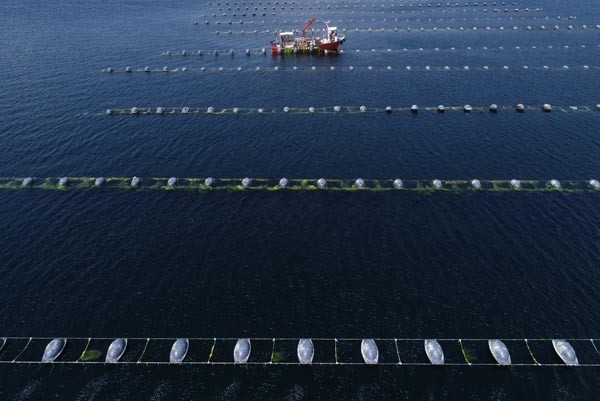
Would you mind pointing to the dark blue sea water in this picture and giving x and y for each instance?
(264, 264)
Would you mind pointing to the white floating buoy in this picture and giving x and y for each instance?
(311, 109)
(260, 110)
(64, 181)
(98, 182)
(263, 51)
(134, 110)
(437, 183)
(108, 112)
(414, 108)
(127, 69)
(247, 52)
(520, 108)
(109, 70)
(246, 182)
(388, 109)
(160, 110)
(555, 183)
(468, 108)
(135, 181)
(337, 109)
(595, 184)
(210, 110)
(172, 181)
(286, 109)
(165, 69)
(476, 184)
(363, 109)
(398, 183)
(441, 108)
(516, 184)
(321, 183)
(546, 107)
(493, 107)
(209, 181)
(185, 110)
(360, 183)
(28, 181)
(146, 69)
(235, 110)
(283, 183)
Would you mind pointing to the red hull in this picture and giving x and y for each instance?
(330, 46)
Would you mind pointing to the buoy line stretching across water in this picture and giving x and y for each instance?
(263, 51)
(414, 109)
(298, 184)
(437, 29)
(388, 68)
(88, 351)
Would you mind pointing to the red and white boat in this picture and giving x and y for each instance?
(287, 43)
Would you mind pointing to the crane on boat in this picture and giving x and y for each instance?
(308, 24)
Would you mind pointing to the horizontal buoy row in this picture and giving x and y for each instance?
(270, 184)
(414, 109)
(366, 2)
(405, 68)
(437, 29)
(364, 8)
(263, 50)
(204, 351)
(385, 19)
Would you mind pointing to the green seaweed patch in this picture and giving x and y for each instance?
(278, 356)
(90, 355)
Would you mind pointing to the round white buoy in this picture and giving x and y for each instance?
(210, 110)
(160, 110)
(209, 181)
(185, 110)
(493, 107)
(286, 109)
(546, 107)
(199, 53)
(263, 51)
(311, 109)
(468, 108)
(260, 110)
(246, 182)
(441, 108)
(98, 182)
(555, 183)
(437, 183)
(134, 110)
(127, 69)
(337, 109)
(520, 108)
(146, 69)
(516, 184)
(414, 108)
(476, 184)
(184, 53)
(595, 184)
(231, 52)
(360, 183)
(108, 112)
(363, 109)
(283, 183)
(247, 52)
(135, 181)
(109, 70)
(235, 110)
(321, 183)
(27, 182)
(165, 69)
(172, 181)
(64, 181)
(398, 183)
(388, 109)
(184, 69)
(598, 107)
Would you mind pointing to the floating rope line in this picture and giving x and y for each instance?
(263, 51)
(397, 351)
(415, 109)
(293, 184)
(405, 69)
(212, 350)
(434, 29)
(85, 349)
(143, 351)
(594, 344)
(388, 358)
(24, 349)
(531, 353)
(390, 20)
(463, 352)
